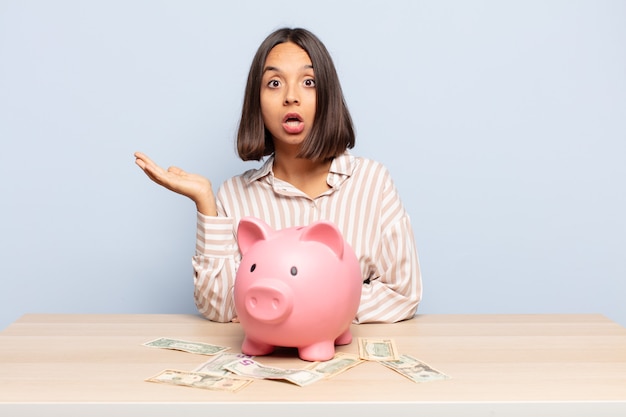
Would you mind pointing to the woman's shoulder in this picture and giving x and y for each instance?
(240, 180)
(365, 165)
(248, 176)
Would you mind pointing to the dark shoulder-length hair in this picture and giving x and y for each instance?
(332, 132)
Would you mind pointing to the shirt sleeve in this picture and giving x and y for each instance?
(393, 293)
(215, 264)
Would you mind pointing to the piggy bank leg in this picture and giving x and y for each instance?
(254, 348)
(344, 339)
(321, 351)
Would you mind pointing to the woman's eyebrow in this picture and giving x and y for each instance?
(270, 68)
(276, 69)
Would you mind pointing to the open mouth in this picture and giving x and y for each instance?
(293, 123)
(292, 119)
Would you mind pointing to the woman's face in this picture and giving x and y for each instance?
(288, 95)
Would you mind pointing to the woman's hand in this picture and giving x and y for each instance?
(194, 186)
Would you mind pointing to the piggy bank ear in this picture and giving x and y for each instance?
(326, 233)
(249, 231)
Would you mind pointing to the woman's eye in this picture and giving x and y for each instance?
(309, 83)
(273, 84)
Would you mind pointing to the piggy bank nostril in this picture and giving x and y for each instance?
(275, 303)
(253, 301)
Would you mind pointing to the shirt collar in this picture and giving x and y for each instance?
(342, 165)
(265, 170)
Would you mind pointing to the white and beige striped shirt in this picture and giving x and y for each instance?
(362, 201)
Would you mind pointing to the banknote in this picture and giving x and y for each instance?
(377, 349)
(186, 346)
(252, 369)
(215, 365)
(341, 362)
(199, 380)
(414, 369)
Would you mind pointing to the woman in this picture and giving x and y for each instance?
(294, 113)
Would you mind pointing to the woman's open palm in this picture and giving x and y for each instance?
(194, 186)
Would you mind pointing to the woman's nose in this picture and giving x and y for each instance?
(291, 97)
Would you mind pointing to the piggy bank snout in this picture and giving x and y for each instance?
(269, 300)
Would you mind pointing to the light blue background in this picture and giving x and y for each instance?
(502, 123)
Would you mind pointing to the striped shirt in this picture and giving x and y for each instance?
(364, 204)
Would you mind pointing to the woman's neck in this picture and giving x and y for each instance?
(306, 175)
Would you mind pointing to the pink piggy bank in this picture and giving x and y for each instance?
(296, 287)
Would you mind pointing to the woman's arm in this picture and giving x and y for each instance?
(217, 255)
(394, 294)
(215, 265)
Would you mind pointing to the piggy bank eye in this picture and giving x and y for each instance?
(253, 267)
(294, 271)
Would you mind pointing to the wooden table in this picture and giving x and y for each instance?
(513, 365)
